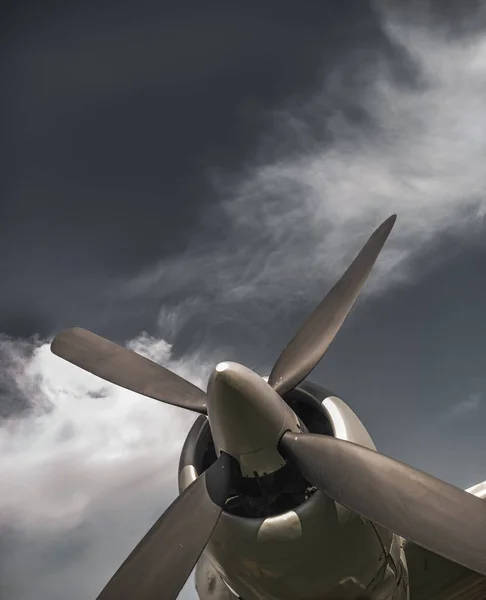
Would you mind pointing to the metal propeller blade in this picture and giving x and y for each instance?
(161, 563)
(413, 504)
(314, 337)
(127, 369)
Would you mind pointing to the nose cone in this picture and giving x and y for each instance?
(248, 418)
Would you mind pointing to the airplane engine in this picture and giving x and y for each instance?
(267, 470)
(277, 532)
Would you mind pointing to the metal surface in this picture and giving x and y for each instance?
(433, 577)
(314, 337)
(315, 551)
(344, 422)
(294, 554)
(161, 563)
(413, 504)
(209, 584)
(478, 490)
(127, 369)
(319, 549)
(248, 418)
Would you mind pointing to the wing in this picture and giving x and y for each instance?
(435, 578)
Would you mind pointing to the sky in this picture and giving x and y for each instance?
(190, 181)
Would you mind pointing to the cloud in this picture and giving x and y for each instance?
(402, 130)
(465, 407)
(83, 438)
(86, 468)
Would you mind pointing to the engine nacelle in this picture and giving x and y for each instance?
(299, 541)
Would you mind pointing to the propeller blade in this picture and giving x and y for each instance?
(314, 337)
(127, 369)
(160, 564)
(413, 504)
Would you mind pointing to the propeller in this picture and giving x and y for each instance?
(161, 563)
(315, 335)
(417, 506)
(127, 369)
(413, 504)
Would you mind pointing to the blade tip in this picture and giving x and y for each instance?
(387, 225)
(60, 338)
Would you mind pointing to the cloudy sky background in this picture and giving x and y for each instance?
(190, 182)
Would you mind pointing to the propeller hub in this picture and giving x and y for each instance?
(248, 418)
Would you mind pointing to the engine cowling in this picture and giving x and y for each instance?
(279, 533)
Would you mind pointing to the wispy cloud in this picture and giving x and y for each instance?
(465, 407)
(402, 131)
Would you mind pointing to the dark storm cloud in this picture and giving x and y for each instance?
(114, 115)
(15, 397)
(205, 174)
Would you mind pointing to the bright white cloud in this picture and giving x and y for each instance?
(95, 441)
(86, 472)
